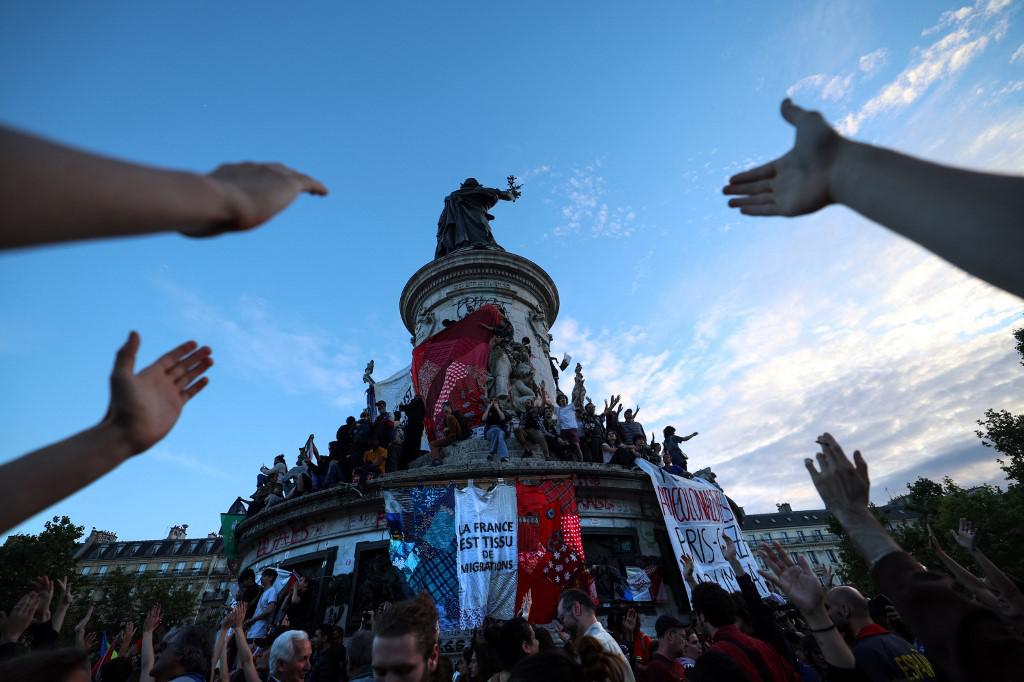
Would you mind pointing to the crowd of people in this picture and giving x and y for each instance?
(366, 448)
(930, 629)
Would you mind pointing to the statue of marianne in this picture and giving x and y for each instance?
(464, 222)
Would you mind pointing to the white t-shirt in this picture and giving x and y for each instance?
(261, 627)
(567, 417)
(609, 644)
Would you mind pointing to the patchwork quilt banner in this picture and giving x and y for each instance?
(421, 522)
(452, 365)
(487, 531)
(697, 514)
(550, 546)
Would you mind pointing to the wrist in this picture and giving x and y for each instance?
(113, 441)
(817, 618)
(842, 174)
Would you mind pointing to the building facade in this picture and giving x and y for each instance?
(196, 563)
(804, 532)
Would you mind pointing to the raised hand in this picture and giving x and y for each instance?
(629, 621)
(85, 619)
(687, 567)
(842, 485)
(524, 611)
(256, 192)
(43, 587)
(13, 624)
(88, 641)
(127, 639)
(966, 536)
(65, 591)
(153, 619)
(797, 581)
(234, 617)
(146, 405)
(796, 183)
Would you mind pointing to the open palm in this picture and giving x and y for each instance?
(796, 580)
(146, 405)
(797, 182)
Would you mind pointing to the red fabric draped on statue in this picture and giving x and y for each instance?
(550, 547)
(452, 365)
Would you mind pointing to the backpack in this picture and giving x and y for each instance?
(465, 429)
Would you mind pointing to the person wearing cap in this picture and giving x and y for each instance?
(671, 645)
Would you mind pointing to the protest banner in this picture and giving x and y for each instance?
(486, 530)
(697, 515)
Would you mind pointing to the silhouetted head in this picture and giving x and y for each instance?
(470, 183)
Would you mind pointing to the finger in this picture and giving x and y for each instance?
(756, 200)
(192, 390)
(791, 112)
(312, 186)
(185, 364)
(762, 172)
(765, 210)
(197, 369)
(824, 463)
(860, 465)
(833, 447)
(171, 358)
(124, 361)
(809, 465)
(758, 187)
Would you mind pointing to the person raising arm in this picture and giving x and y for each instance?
(973, 220)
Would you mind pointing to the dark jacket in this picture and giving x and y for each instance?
(965, 641)
(885, 657)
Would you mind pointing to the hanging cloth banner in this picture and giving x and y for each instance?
(421, 522)
(550, 547)
(697, 514)
(487, 531)
(452, 366)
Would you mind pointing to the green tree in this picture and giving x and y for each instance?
(25, 556)
(1004, 431)
(121, 598)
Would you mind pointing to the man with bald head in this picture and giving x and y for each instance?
(881, 655)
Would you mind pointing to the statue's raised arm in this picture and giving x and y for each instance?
(465, 221)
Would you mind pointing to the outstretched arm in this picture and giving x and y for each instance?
(971, 219)
(798, 582)
(967, 537)
(143, 409)
(53, 193)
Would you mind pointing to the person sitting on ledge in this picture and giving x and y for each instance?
(632, 428)
(450, 435)
(532, 431)
(671, 467)
(615, 453)
(374, 460)
(494, 424)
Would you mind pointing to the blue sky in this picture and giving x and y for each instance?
(623, 122)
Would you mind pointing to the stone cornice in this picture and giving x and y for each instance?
(467, 266)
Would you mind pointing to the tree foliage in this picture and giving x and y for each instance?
(121, 597)
(25, 556)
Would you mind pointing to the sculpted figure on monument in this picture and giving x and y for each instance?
(579, 391)
(523, 386)
(499, 369)
(465, 221)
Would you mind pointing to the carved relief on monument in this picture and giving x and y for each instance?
(468, 304)
(426, 322)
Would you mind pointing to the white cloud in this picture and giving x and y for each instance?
(1018, 55)
(188, 462)
(894, 351)
(824, 86)
(587, 211)
(872, 62)
(972, 29)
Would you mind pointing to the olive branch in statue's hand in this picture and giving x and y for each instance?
(514, 188)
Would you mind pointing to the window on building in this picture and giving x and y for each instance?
(176, 547)
(102, 570)
(814, 558)
(785, 536)
(142, 568)
(163, 567)
(86, 570)
(832, 556)
(818, 536)
(179, 567)
(197, 566)
(800, 534)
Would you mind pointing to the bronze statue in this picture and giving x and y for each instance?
(464, 222)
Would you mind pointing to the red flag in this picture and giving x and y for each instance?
(452, 366)
(551, 557)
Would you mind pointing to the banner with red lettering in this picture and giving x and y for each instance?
(697, 514)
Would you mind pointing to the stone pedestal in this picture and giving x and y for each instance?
(451, 287)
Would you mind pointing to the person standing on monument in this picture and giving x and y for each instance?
(464, 221)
